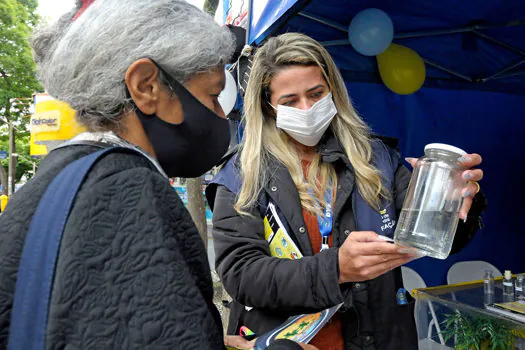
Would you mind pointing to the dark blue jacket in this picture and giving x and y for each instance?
(278, 288)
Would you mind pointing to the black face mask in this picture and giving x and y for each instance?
(193, 147)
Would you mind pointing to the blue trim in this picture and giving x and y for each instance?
(272, 17)
(225, 8)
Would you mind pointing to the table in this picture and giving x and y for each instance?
(455, 315)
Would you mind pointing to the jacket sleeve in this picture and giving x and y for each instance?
(465, 231)
(256, 279)
(135, 273)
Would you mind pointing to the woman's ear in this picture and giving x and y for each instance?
(143, 85)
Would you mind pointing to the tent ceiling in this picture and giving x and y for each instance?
(466, 44)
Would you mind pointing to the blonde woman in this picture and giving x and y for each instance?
(309, 166)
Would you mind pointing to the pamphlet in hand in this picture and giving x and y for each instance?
(300, 328)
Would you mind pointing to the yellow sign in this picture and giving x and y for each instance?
(36, 150)
(53, 122)
(45, 122)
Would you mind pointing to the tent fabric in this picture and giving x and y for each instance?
(489, 123)
(465, 53)
(486, 118)
(266, 15)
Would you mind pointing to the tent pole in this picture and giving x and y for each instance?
(508, 75)
(325, 21)
(500, 74)
(249, 26)
(409, 35)
(500, 43)
(335, 42)
(450, 71)
(474, 28)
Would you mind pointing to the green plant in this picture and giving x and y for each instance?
(478, 333)
(500, 336)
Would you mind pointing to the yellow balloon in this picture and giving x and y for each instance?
(401, 69)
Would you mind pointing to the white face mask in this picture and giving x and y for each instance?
(307, 126)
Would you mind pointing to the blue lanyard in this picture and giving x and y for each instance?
(326, 220)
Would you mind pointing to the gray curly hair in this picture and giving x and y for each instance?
(83, 62)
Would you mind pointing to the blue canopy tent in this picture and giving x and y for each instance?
(473, 96)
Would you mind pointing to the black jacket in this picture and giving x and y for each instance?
(132, 271)
(278, 288)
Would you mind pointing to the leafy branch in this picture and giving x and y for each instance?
(471, 332)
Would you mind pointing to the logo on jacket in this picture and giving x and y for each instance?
(387, 222)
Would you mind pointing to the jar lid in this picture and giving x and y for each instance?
(445, 147)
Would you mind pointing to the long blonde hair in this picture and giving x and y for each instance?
(263, 140)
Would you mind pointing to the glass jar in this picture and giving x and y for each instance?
(430, 214)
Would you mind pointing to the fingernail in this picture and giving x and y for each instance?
(464, 159)
(385, 238)
(409, 159)
(467, 176)
(467, 193)
(465, 220)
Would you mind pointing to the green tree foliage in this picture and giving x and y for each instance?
(210, 6)
(18, 79)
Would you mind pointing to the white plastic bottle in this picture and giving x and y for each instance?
(508, 285)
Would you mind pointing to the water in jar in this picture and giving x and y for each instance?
(430, 214)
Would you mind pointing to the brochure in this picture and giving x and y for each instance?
(281, 244)
(300, 328)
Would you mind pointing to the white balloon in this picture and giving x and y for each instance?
(228, 96)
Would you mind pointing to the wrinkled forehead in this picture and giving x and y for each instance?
(214, 79)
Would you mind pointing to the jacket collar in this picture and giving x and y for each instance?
(331, 149)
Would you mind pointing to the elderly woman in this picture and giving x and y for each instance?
(131, 270)
(309, 166)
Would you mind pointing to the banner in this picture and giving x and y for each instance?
(52, 123)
